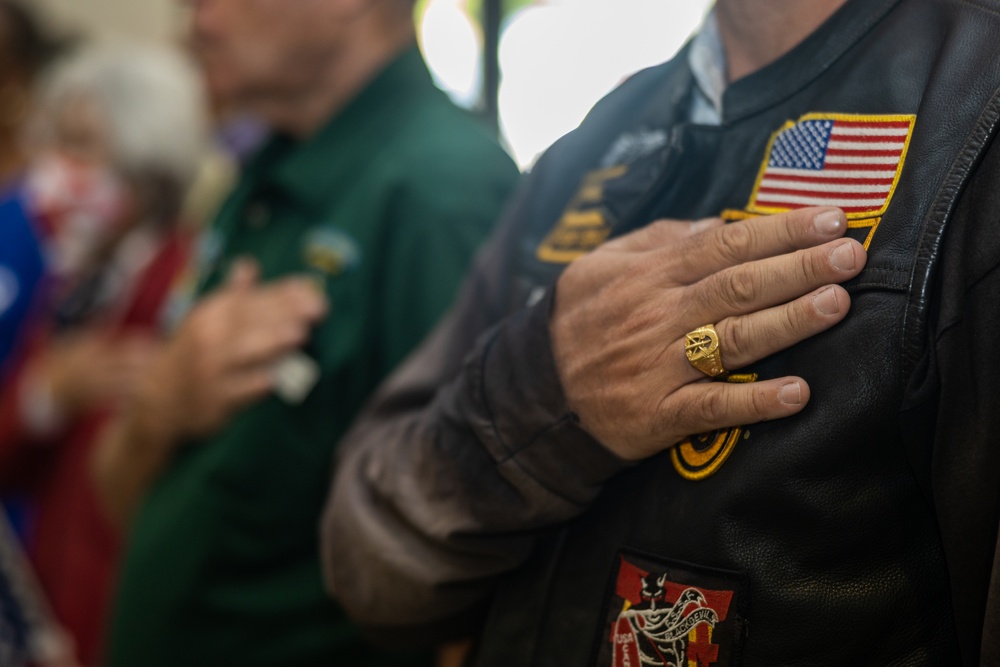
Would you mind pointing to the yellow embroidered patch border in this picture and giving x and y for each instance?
(853, 161)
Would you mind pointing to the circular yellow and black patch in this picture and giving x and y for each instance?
(701, 456)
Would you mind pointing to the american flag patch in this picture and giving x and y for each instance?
(852, 162)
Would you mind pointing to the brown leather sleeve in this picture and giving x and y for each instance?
(463, 457)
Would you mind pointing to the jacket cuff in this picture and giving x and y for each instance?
(531, 420)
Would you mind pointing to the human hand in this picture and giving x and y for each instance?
(622, 312)
(222, 356)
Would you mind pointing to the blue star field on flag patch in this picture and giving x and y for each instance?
(802, 146)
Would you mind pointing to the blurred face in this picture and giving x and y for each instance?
(71, 182)
(258, 50)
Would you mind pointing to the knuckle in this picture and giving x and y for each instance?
(736, 340)
(580, 273)
(734, 241)
(667, 417)
(758, 403)
(663, 232)
(739, 288)
(714, 406)
(660, 231)
(793, 319)
(811, 266)
(789, 227)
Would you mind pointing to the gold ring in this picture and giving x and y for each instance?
(702, 349)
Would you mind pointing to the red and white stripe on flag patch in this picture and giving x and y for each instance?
(853, 162)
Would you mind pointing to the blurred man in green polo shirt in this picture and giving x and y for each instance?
(343, 242)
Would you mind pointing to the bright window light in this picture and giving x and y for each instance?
(557, 58)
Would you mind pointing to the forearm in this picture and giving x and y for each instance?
(129, 456)
(431, 504)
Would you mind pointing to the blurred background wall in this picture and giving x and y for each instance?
(157, 20)
(556, 57)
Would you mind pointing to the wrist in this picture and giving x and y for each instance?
(526, 401)
(143, 428)
(151, 417)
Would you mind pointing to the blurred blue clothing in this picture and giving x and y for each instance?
(22, 268)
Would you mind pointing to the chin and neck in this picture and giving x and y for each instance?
(755, 33)
(366, 51)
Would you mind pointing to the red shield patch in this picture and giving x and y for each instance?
(662, 615)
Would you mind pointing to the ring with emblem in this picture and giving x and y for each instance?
(702, 349)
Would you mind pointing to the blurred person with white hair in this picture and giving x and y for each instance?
(114, 142)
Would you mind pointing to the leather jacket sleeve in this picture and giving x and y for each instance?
(463, 457)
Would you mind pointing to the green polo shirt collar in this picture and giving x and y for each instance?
(304, 169)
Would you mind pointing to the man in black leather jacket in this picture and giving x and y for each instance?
(492, 486)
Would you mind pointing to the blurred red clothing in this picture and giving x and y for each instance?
(71, 544)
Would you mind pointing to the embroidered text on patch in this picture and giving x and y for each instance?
(850, 161)
(584, 224)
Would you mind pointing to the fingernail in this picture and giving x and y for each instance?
(843, 257)
(790, 394)
(826, 302)
(829, 223)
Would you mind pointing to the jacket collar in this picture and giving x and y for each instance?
(806, 62)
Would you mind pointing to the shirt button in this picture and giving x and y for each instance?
(258, 215)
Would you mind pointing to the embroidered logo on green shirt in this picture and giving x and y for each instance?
(330, 251)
